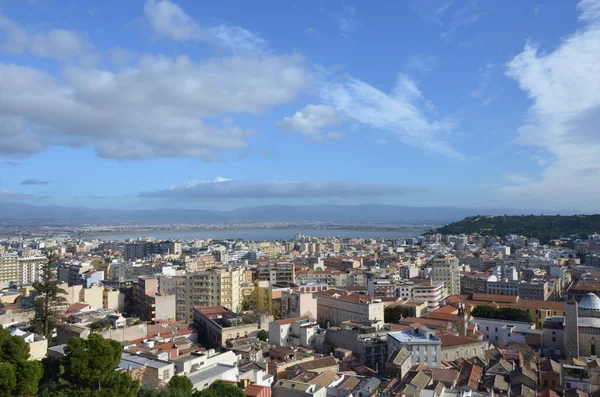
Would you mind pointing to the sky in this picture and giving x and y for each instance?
(220, 105)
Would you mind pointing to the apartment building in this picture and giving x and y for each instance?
(217, 324)
(297, 303)
(298, 331)
(147, 249)
(431, 292)
(152, 305)
(335, 307)
(277, 273)
(446, 269)
(425, 346)
(20, 270)
(217, 286)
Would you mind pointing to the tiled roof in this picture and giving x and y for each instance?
(291, 320)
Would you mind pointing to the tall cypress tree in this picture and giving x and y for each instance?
(48, 302)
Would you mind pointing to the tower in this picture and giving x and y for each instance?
(571, 335)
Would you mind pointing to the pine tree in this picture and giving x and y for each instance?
(48, 315)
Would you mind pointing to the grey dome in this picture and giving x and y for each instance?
(590, 302)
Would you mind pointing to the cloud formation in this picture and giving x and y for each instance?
(169, 20)
(312, 120)
(231, 189)
(155, 107)
(60, 44)
(564, 118)
(30, 182)
(399, 113)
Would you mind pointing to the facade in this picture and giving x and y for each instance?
(553, 337)
(152, 305)
(217, 324)
(431, 292)
(425, 346)
(299, 331)
(446, 269)
(20, 270)
(277, 273)
(368, 346)
(217, 286)
(297, 303)
(146, 249)
(334, 307)
(505, 332)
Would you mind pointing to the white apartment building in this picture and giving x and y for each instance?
(335, 307)
(409, 271)
(20, 270)
(218, 286)
(425, 346)
(431, 292)
(446, 269)
(299, 303)
(299, 331)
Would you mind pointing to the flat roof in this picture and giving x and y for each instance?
(210, 372)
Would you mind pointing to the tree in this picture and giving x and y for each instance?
(263, 335)
(393, 314)
(8, 379)
(12, 348)
(29, 374)
(504, 313)
(46, 304)
(90, 365)
(182, 383)
(220, 389)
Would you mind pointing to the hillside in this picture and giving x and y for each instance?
(542, 227)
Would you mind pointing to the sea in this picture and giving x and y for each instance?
(260, 234)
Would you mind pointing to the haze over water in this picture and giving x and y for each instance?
(257, 234)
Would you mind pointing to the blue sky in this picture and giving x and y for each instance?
(146, 104)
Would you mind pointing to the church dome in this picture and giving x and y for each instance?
(590, 302)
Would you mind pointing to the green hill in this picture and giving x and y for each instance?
(542, 227)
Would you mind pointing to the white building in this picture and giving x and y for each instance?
(425, 346)
(288, 388)
(335, 307)
(298, 331)
(504, 332)
(431, 292)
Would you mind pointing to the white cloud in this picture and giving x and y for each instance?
(484, 76)
(347, 22)
(60, 44)
(232, 189)
(312, 119)
(422, 63)
(398, 113)
(169, 20)
(564, 118)
(155, 107)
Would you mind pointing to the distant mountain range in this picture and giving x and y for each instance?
(11, 211)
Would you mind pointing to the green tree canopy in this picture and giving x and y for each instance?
(503, 313)
(182, 383)
(28, 374)
(220, 389)
(263, 335)
(393, 314)
(8, 379)
(12, 348)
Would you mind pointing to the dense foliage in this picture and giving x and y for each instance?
(504, 313)
(217, 389)
(263, 335)
(542, 227)
(88, 369)
(18, 377)
(393, 314)
(182, 383)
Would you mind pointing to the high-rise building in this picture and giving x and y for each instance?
(20, 270)
(218, 286)
(446, 269)
(146, 249)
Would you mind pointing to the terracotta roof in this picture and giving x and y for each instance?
(325, 378)
(254, 390)
(318, 363)
(450, 340)
(547, 392)
(470, 375)
(75, 307)
(349, 383)
(447, 376)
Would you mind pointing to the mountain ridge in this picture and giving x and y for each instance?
(16, 211)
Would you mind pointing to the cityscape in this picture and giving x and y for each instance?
(299, 199)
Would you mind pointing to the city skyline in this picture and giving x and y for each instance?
(225, 105)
